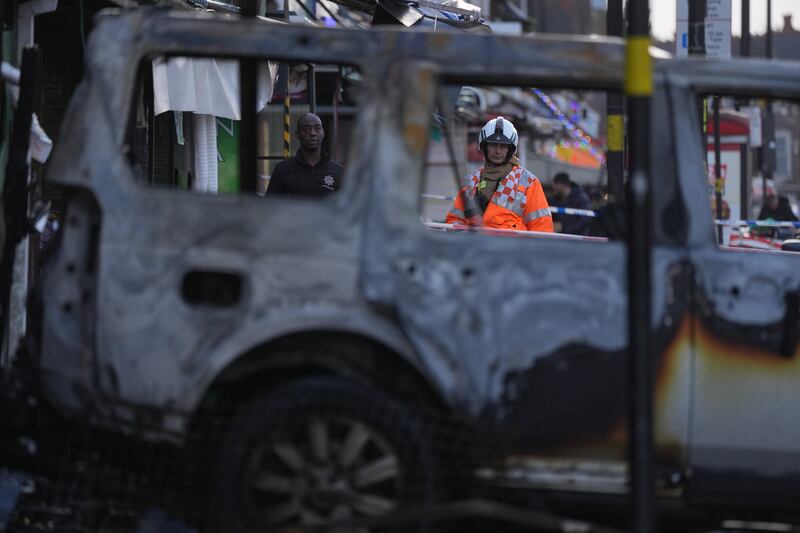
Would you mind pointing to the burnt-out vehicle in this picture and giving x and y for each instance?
(321, 360)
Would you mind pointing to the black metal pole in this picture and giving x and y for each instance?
(769, 133)
(287, 110)
(745, 43)
(718, 183)
(149, 111)
(287, 102)
(311, 78)
(744, 185)
(15, 188)
(337, 93)
(638, 89)
(697, 47)
(615, 162)
(769, 29)
(768, 148)
(311, 81)
(697, 27)
(248, 127)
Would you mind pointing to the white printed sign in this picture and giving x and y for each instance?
(754, 116)
(718, 28)
(730, 165)
(682, 29)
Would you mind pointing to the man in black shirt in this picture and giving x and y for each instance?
(569, 194)
(777, 208)
(310, 172)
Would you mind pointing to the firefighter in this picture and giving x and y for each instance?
(502, 194)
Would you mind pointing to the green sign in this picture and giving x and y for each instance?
(228, 155)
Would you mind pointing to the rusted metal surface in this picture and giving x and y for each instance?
(538, 357)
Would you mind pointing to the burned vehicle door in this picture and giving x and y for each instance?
(745, 445)
(155, 288)
(526, 335)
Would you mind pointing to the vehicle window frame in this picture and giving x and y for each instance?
(139, 85)
(664, 135)
(688, 79)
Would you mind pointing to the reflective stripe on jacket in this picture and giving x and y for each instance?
(518, 203)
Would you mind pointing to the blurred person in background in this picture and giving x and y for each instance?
(726, 209)
(777, 208)
(569, 194)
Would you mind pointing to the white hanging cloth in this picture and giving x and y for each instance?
(205, 153)
(206, 86)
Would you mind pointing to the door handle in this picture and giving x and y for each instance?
(211, 289)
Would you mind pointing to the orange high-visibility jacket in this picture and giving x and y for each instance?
(518, 203)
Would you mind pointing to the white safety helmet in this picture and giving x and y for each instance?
(501, 131)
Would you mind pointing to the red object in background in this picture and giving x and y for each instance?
(762, 239)
(474, 154)
(734, 130)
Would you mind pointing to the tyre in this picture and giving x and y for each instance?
(320, 450)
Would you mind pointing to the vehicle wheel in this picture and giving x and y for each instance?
(320, 450)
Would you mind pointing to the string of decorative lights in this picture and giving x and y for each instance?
(582, 138)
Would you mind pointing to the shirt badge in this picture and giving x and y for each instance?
(329, 181)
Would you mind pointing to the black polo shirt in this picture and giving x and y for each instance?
(295, 176)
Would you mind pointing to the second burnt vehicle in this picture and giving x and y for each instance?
(365, 363)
